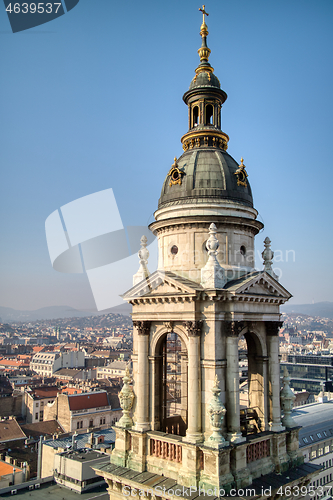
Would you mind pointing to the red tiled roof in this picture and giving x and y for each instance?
(38, 348)
(6, 468)
(71, 390)
(13, 362)
(88, 400)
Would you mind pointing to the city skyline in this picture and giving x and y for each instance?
(92, 101)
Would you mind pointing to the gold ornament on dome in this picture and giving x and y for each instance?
(241, 174)
(175, 174)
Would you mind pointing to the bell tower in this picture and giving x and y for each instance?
(187, 428)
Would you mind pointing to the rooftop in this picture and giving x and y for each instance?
(55, 492)
(82, 439)
(316, 420)
(88, 400)
(85, 454)
(10, 430)
(6, 468)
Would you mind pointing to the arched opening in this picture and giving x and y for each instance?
(173, 385)
(209, 114)
(195, 121)
(252, 384)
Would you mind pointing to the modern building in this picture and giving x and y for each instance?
(186, 434)
(316, 445)
(102, 441)
(74, 469)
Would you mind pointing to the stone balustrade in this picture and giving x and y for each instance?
(165, 448)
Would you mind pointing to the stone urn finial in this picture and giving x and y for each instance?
(143, 254)
(212, 274)
(126, 398)
(287, 401)
(268, 256)
(216, 412)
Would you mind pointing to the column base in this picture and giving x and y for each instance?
(194, 438)
(216, 445)
(144, 427)
(236, 437)
(276, 427)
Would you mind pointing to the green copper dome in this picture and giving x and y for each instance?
(205, 175)
(205, 79)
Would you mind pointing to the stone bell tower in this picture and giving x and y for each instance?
(187, 428)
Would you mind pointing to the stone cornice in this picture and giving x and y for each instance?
(196, 222)
(214, 296)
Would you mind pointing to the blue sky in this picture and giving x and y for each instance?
(93, 100)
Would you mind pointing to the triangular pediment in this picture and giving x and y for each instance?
(258, 283)
(162, 283)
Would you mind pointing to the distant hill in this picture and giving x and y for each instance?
(322, 309)
(9, 315)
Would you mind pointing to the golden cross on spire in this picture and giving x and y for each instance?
(204, 13)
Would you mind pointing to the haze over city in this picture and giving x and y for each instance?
(92, 101)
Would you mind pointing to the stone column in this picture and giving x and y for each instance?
(272, 336)
(193, 433)
(142, 376)
(155, 392)
(184, 385)
(233, 328)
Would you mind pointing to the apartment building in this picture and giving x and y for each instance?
(116, 369)
(46, 363)
(80, 411)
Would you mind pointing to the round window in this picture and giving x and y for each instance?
(174, 250)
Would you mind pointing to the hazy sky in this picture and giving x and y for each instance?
(93, 100)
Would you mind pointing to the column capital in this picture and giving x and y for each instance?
(193, 328)
(233, 328)
(143, 327)
(273, 327)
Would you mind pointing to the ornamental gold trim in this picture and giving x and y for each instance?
(241, 174)
(175, 174)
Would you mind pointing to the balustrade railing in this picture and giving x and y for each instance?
(255, 451)
(166, 450)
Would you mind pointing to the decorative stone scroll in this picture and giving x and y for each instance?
(273, 327)
(193, 328)
(233, 328)
(126, 399)
(143, 327)
(168, 325)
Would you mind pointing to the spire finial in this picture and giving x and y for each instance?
(204, 51)
(204, 13)
(268, 256)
